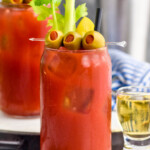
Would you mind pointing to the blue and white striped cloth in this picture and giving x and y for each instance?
(127, 71)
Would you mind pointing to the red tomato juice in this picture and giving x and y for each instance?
(75, 100)
(20, 60)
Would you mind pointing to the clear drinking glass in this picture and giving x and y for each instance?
(133, 108)
(75, 99)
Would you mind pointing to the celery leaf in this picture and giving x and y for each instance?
(41, 2)
(81, 11)
(57, 2)
(43, 12)
(46, 2)
(60, 24)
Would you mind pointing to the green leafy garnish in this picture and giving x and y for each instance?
(43, 12)
(41, 2)
(69, 16)
(81, 11)
(65, 23)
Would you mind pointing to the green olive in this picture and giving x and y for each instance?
(13, 1)
(54, 39)
(72, 41)
(93, 40)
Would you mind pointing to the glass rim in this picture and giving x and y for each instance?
(76, 51)
(121, 90)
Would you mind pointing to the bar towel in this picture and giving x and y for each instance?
(127, 71)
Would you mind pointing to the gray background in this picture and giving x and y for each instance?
(116, 23)
(91, 4)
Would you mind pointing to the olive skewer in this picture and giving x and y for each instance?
(121, 44)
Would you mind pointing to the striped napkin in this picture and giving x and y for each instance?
(127, 71)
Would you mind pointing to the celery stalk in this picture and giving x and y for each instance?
(69, 16)
(55, 25)
(60, 22)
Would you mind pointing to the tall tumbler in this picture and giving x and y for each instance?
(75, 99)
(20, 60)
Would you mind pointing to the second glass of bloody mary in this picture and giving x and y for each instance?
(20, 59)
(75, 99)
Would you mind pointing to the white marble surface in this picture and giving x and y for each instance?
(33, 125)
(115, 125)
(19, 125)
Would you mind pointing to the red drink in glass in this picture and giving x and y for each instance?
(75, 99)
(20, 60)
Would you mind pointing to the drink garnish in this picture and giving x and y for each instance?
(121, 44)
(73, 38)
(64, 23)
(16, 1)
(93, 40)
(54, 39)
(84, 26)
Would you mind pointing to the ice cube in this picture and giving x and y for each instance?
(79, 99)
(86, 62)
(63, 65)
(7, 11)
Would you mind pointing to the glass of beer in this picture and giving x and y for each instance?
(133, 108)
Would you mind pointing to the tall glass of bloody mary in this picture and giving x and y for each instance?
(20, 60)
(75, 83)
(75, 99)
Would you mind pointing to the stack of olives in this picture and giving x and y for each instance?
(74, 41)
